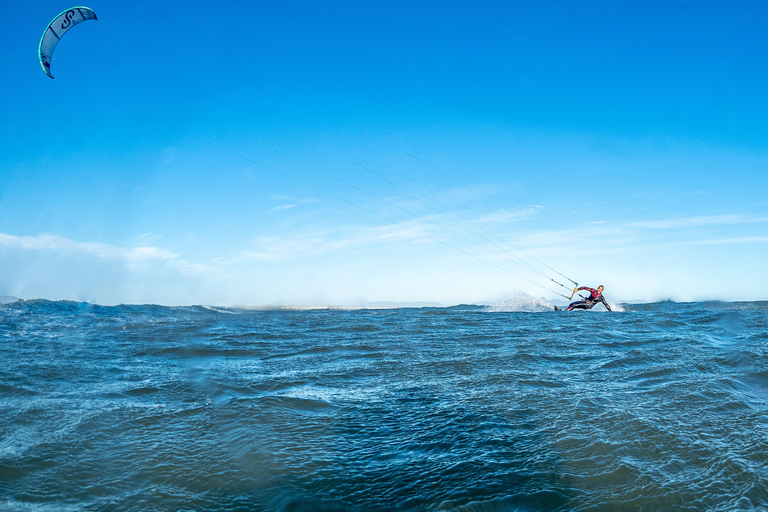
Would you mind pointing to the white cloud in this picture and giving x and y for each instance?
(60, 244)
(468, 193)
(281, 248)
(304, 201)
(284, 247)
(57, 267)
(725, 241)
(690, 222)
(590, 236)
(278, 208)
(149, 253)
(510, 215)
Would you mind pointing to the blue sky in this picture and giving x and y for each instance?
(342, 153)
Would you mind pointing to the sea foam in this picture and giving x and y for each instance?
(518, 302)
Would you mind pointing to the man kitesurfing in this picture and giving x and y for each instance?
(588, 302)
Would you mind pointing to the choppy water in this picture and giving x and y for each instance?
(661, 407)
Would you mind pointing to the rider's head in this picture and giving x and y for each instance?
(600, 289)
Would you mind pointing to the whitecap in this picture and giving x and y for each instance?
(518, 302)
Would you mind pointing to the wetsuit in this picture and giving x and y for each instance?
(590, 301)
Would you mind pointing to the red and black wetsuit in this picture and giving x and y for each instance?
(590, 301)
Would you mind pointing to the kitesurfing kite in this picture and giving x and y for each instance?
(56, 29)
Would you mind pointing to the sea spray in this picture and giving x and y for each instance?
(517, 302)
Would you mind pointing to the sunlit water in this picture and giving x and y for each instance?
(659, 407)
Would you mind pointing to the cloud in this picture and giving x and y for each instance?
(468, 193)
(57, 267)
(60, 244)
(691, 222)
(308, 200)
(636, 234)
(148, 253)
(725, 241)
(145, 237)
(589, 236)
(510, 215)
(278, 208)
(279, 248)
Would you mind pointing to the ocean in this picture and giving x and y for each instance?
(660, 406)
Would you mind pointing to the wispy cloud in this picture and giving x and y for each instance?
(469, 193)
(592, 235)
(149, 236)
(603, 238)
(726, 241)
(278, 208)
(281, 248)
(278, 248)
(57, 267)
(702, 221)
(510, 215)
(66, 245)
(293, 204)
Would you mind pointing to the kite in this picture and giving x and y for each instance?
(56, 29)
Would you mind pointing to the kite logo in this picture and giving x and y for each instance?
(68, 19)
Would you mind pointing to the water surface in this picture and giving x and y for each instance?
(661, 407)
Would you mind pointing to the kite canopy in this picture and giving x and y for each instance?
(56, 30)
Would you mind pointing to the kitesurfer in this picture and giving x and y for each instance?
(591, 301)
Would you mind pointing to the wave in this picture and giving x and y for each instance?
(45, 306)
(518, 302)
(509, 302)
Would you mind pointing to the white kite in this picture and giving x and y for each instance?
(56, 30)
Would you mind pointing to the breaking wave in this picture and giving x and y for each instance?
(518, 302)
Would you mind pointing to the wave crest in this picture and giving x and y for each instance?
(518, 302)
